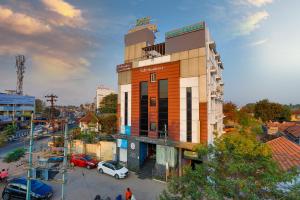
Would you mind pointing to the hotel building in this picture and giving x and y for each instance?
(170, 96)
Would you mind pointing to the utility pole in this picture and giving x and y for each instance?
(30, 160)
(52, 99)
(20, 65)
(65, 161)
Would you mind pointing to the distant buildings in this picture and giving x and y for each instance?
(295, 115)
(15, 107)
(170, 96)
(101, 92)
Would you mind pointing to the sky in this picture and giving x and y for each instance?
(72, 46)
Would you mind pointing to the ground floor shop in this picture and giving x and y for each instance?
(155, 158)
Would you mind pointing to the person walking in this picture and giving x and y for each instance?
(97, 197)
(128, 194)
(119, 197)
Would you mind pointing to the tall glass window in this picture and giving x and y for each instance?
(189, 114)
(163, 108)
(126, 108)
(144, 109)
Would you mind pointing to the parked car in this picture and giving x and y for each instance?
(112, 168)
(16, 188)
(82, 160)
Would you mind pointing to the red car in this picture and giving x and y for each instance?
(82, 160)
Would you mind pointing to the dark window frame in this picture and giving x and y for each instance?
(163, 106)
(126, 109)
(189, 114)
(144, 110)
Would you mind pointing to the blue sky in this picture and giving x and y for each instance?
(73, 46)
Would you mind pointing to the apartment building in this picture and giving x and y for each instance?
(170, 96)
(101, 92)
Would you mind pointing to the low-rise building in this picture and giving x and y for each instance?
(285, 153)
(89, 122)
(295, 115)
(293, 133)
(15, 107)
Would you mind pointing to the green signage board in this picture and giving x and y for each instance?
(186, 29)
(142, 21)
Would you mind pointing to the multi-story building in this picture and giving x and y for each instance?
(101, 92)
(170, 96)
(15, 107)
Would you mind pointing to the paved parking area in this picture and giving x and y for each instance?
(84, 184)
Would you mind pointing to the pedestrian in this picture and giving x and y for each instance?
(132, 197)
(128, 194)
(97, 197)
(119, 197)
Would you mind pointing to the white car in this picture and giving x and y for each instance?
(112, 168)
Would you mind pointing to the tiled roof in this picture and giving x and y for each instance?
(285, 152)
(296, 112)
(90, 117)
(294, 130)
(281, 126)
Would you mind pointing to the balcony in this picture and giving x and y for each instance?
(218, 77)
(213, 70)
(220, 64)
(213, 94)
(154, 51)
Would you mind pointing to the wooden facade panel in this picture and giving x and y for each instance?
(203, 122)
(169, 71)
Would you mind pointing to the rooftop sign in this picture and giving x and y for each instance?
(142, 21)
(184, 30)
(124, 67)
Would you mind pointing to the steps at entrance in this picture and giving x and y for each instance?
(146, 170)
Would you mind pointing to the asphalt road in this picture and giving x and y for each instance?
(22, 143)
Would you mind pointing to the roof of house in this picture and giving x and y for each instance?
(90, 117)
(296, 112)
(285, 152)
(281, 126)
(294, 130)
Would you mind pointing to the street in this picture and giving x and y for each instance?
(21, 143)
(84, 184)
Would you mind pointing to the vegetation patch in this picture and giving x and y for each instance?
(15, 155)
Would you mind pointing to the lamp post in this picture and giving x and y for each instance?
(30, 160)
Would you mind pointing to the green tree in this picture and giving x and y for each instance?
(230, 112)
(109, 104)
(237, 167)
(10, 130)
(248, 108)
(266, 111)
(108, 123)
(39, 106)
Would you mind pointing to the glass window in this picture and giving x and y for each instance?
(152, 101)
(144, 108)
(126, 109)
(189, 114)
(152, 126)
(153, 77)
(163, 108)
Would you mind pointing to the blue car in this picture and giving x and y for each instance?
(16, 189)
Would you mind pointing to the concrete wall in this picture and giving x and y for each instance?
(103, 150)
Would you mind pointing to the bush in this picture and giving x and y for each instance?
(15, 155)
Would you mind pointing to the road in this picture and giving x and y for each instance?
(22, 143)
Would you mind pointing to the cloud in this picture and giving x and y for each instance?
(259, 42)
(251, 23)
(257, 3)
(21, 23)
(67, 13)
